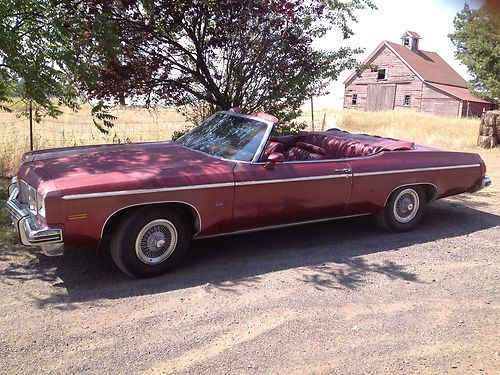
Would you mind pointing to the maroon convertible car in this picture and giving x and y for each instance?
(228, 175)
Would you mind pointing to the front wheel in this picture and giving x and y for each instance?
(150, 242)
(404, 209)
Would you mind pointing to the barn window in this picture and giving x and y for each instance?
(354, 99)
(407, 41)
(407, 100)
(382, 74)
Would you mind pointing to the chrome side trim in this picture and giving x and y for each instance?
(194, 187)
(279, 226)
(197, 221)
(146, 191)
(295, 179)
(416, 170)
(242, 183)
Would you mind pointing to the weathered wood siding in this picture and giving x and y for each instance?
(398, 74)
(380, 97)
(440, 103)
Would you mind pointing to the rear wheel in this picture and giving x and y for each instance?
(404, 209)
(150, 242)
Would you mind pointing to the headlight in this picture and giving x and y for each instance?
(28, 195)
(23, 192)
(40, 204)
(31, 198)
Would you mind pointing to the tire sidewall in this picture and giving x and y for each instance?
(123, 242)
(391, 221)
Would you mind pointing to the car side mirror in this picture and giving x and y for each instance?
(273, 158)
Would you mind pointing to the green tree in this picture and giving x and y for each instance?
(477, 42)
(259, 55)
(39, 43)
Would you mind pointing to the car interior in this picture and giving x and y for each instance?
(331, 144)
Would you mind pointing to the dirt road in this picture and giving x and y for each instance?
(333, 298)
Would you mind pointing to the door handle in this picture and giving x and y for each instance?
(342, 170)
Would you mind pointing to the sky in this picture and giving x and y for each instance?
(431, 19)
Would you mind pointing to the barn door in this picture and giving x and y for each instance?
(380, 97)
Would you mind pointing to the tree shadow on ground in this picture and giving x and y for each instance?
(350, 273)
(331, 254)
(471, 201)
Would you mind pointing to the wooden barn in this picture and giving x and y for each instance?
(402, 76)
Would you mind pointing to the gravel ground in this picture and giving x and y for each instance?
(333, 298)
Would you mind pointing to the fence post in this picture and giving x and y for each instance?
(31, 126)
(312, 113)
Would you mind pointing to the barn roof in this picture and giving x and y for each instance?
(458, 92)
(428, 65)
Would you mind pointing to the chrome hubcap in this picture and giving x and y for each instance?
(156, 242)
(406, 205)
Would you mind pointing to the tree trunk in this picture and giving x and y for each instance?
(121, 98)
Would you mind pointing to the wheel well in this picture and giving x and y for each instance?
(430, 190)
(189, 212)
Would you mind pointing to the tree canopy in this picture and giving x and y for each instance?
(31, 42)
(260, 55)
(218, 54)
(477, 42)
(39, 43)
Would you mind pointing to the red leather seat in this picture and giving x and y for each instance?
(304, 151)
(337, 144)
(273, 146)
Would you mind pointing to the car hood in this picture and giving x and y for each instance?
(126, 166)
(98, 158)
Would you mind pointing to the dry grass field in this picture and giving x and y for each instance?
(446, 132)
(138, 124)
(133, 124)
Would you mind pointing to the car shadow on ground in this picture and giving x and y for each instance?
(330, 254)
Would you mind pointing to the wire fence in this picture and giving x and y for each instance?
(76, 129)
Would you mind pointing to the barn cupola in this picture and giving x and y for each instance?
(410, 40)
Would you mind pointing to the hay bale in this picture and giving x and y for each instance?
(482, 125)
(497, 128)
(485, 141)
(491, 118)
(489, 129)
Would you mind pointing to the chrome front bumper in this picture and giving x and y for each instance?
(485, 182)
(30, 232)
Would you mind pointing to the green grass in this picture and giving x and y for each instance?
(8, 236)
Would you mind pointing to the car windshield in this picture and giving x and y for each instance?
(226, 135)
